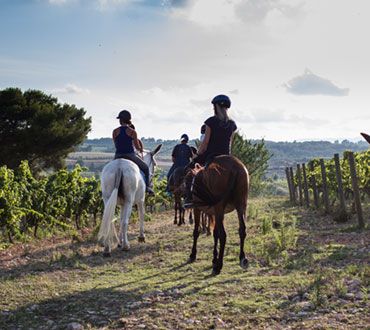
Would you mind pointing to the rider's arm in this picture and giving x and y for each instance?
(204, 145)
(115, 133)
(137, 143)
(231, 139)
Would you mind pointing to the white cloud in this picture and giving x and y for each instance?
(311, 84)
(71, 89)
(263, 116)
(213, 13)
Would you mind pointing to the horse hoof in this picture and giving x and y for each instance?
(141, 239)
(126, 248)
(175, 222)
(107, 254)
(191, 259)
(216, 272)
(244, 263)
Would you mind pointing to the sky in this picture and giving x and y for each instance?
(294, 69)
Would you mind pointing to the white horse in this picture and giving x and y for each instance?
(122, 184)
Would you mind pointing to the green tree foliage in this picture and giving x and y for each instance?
(35, 127)
(254, 156)
(160, 199)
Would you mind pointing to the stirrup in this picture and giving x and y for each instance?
(189, 205)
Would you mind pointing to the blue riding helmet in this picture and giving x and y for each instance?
(184, 137)
(222, 100)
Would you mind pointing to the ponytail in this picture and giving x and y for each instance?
(127, 122)
(221, 113)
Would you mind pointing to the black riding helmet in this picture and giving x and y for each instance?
(222, 100)
(124, 115)
(184, 137)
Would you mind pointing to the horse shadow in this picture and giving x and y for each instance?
(101, 306)
(73, 255)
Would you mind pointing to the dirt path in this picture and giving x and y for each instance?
(305, 273)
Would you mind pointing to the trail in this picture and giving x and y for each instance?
(305, 272)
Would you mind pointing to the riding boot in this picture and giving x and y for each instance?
(149, 188)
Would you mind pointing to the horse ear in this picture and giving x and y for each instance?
(366, 137)
(155, 151)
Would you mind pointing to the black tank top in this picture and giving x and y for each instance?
(221, 132)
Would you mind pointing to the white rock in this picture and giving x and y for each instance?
(75, 326)
(306, 296)
(349, 296)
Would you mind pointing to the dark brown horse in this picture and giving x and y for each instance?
(220, 188)
(175, 186)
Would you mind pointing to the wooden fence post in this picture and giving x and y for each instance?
(305, 186)
(324, 186)
(338, 173)
(289, 185)
(314, 187)
(300, 185)
(356, 193)
(293, 186)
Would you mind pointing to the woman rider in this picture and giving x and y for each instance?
(125, 138)
(218, 137)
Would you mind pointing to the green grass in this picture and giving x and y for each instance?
(301, 272)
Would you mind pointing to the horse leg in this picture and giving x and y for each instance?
(215, 242)
(191, 216)
(242, 234)
(125, 216)
(193, 254)
(220, 229)
(141, 211)
(203, 223)
(182, 212)
(208, 224)
(175, 221)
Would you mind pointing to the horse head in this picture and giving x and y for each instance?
(149, 158)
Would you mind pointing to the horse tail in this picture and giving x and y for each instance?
(107, 233)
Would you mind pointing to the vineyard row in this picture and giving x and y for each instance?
(331, 183)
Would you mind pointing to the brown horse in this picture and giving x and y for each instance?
(217, 189)
(175, 186)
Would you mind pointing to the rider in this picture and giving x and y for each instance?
(125, 139)
(181, 155)
(218, 137)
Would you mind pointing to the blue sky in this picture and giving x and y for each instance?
(294, 69)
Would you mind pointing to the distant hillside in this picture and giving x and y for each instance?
(283, 153)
